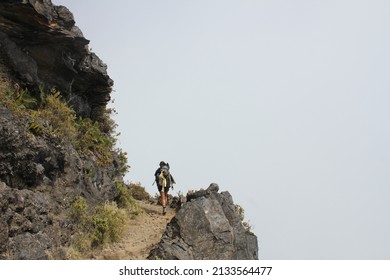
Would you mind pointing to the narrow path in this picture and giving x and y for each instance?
(141, 234)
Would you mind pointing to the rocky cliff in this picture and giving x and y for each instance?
(40, 45)
(44, 162)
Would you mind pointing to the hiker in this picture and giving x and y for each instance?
(164, 182)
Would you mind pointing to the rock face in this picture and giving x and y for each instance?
(41, 175)
(40, 45)
(39, 180)
(207, 227)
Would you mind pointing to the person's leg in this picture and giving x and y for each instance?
(163, 198)
(164, 201)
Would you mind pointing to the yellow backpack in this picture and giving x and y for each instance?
(162, 180)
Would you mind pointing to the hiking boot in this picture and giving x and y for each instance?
(164, 210)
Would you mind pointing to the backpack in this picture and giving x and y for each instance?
(163, 176)
(165, 170)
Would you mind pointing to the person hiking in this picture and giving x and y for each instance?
(164, 181)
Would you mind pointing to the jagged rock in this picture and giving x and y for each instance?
(29, 246)
(25, 161)
(39, 179)
(40, 44)
(177, 201)
(207, 226)
(213, 188)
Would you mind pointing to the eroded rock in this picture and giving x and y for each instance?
(207, 227)
(40, 43)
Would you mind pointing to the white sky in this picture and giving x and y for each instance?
(285, 104)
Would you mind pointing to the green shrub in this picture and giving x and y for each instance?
(138, 192)
(92, 140)
(78, 209)
(54, 118)
(13, 99)
(23, 99)
(50, 116)
(96, 225)
(124, 167)
(107, 224)
(125, 199)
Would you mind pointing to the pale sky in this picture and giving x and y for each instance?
(285, 104)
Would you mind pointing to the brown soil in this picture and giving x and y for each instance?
(141, 234)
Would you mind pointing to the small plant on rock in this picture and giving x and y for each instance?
(125, 199)
(107, 223)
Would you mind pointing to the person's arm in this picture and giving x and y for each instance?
(172, 180)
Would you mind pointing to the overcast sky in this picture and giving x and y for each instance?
(285, 104)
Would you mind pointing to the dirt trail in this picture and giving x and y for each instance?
(141, 234)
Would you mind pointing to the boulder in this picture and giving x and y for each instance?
(207, 227)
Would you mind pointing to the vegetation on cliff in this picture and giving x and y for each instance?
(49, 117)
